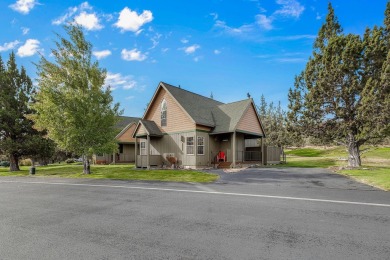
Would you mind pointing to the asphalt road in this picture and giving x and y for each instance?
(254, 214)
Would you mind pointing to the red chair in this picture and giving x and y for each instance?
(221, 156)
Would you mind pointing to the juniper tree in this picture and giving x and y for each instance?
(339, 96)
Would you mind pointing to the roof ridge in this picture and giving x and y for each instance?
(191, 92)
(247, 99)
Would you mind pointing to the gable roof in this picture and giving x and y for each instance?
(227, 116)
(223, 118)
(150, 126)
(124, 121)
(198, 107)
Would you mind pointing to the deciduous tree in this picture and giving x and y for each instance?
(72, 102)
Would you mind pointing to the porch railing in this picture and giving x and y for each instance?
(248, 156)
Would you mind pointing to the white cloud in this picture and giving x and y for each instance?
(89, 21)
(82, 15)
(244, 29)
(133, 55)
(264, 21)
(62, 19)
(29, 48)
(101, 54)
(290, 8)
(184, 41)
(190, 49)
(139, 32)
(291, 60)
(217, 52)
(198, 58)
(23, 6)
(25, 30)
(116, 80)
(214, 15)
(164, 50)
(8, 46)
(129, 97)
(130, 21)
(155, 40)
(318, 16)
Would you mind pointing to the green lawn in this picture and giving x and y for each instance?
(310, 162)
(375, 168)
(122, 172)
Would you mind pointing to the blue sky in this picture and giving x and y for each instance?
(224, 47)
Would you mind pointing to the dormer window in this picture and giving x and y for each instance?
(163, 113)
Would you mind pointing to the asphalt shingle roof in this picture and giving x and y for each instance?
(197, 106)
(151, 127)
(125, 121)
(206, 111)
(227, 116)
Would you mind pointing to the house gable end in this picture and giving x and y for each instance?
(140, 130)
(126, 135)
(177, 119)
(250, 121)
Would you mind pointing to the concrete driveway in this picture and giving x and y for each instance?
(253, 214)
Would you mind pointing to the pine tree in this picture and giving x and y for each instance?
(72, 103)
(17, 136)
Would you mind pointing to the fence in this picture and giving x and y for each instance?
(273, 155)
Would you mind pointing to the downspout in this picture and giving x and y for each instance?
(234, 149)
(136, 152)
(148, 152)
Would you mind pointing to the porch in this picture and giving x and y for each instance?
(239, 149)
(231, 149)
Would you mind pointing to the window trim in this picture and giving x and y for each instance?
(200, 145)
(163, 111)
(190, 145)
(142, 148)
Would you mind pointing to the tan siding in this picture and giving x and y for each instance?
(128, 153)
(127, 136)
(141, 130)
(177, 119)
(203, 128)
(249, 122)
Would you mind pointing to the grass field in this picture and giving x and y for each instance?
(375, 168)
(120, 172)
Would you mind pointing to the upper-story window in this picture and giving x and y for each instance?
(164, 113)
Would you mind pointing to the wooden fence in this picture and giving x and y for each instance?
(275, 155)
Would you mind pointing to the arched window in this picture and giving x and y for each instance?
(164, 113)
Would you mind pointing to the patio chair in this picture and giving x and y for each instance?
(221, 157)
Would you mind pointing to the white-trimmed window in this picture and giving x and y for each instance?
(143, 148)
(200, 145)
(164, 113)
(190, 145)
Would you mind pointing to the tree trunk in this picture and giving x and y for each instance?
(87, 167)
(14, 163)
(353, 152)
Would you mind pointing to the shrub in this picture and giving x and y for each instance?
(25, 162)
(70, 160)
(4, 163)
